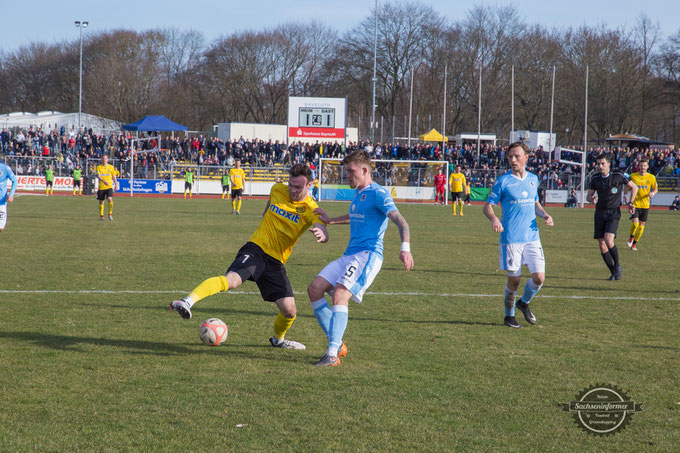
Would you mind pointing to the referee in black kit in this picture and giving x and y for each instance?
(609, 187)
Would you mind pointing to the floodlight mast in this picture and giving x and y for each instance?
(375, 64)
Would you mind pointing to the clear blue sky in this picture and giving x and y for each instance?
(52, 21)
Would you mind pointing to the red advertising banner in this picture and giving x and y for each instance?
(315, 132)
(38, 183)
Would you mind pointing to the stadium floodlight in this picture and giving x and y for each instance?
(81, 25)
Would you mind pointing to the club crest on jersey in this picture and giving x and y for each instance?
(300, 209)
(363, 197)
(614, 190)
(525, 194)
(295, 218)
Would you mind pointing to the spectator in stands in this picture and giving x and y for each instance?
(571, 199)
(675, 206)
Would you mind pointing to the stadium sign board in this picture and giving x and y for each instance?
(317, 118)
(144, 186)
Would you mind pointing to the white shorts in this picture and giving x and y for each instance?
(3, 216)
(513, 256)
(354, 272)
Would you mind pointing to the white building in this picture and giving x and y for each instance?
(534, 139)
(273, 132)
(470, 138)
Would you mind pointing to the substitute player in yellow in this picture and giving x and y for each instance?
(188, 181)
(289, 212)
(457, 188)
(237, 178)
(106, 174)
(647, 188)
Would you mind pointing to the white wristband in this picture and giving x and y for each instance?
(405, 247)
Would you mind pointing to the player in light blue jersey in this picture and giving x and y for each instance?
(517, 193)
(349, 276)
(5, 174)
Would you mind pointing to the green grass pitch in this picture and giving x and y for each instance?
(92, 360)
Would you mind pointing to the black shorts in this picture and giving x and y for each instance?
(225, 188)
(48, 183)
(253, 264)
(455, 196)
(104, 194)
(236, 193)
(187, 185)
(76, 183)
(640, 214)
(606, 221)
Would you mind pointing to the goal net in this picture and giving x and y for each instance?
(577, 159)
(407, 180)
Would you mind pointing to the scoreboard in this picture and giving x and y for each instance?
(320, 119)
(316, 117)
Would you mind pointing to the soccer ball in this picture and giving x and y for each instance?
(213, 332)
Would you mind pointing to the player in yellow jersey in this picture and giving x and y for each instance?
(288, 214)
(647, 188)
(457, 188)
(107, 183)
(237, 178)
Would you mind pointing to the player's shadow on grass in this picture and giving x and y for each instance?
(71, 343)
(454, 272)
(207, 311)
(653, 346)
(646, 292)
(439, 321)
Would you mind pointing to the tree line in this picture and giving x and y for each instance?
(247, 76)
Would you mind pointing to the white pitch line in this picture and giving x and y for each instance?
(419, 294)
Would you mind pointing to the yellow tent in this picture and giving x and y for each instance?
(432, 136)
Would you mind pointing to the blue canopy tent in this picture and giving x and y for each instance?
(155, 123)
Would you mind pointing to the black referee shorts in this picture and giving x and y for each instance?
(606, 221)
(253, 264)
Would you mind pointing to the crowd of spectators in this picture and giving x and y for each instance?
(71, 146)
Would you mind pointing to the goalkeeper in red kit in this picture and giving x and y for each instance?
(439, 186)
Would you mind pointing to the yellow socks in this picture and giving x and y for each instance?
(238, 206)
(101, 210)
(281, 325)
(633, 228)
(638, 233)
(110, 207)
(461, 207)
(233, 204)
(209, 287)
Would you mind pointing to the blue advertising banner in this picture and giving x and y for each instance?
(144, 186)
